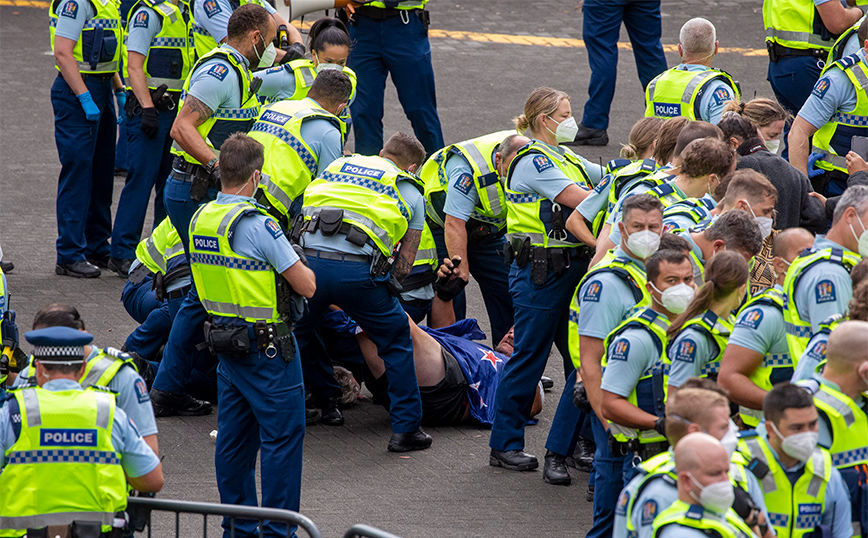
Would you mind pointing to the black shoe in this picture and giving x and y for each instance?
(331, 414)
(555, 470)
(547, 383)
(406, 442)
(101, 262)
(311, 417)
(7, 267)
(169, 404)
(584, 454)
(512, 460)
(589, 137)
(589, 496)
(80, 269)
(121, 266)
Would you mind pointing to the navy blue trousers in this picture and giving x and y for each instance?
(393, 47)
(148, 165)
(87, 158)
(541, 314)
(611, 474)
(601, 28)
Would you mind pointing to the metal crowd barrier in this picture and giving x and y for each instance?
(365, 531)
(232, 511)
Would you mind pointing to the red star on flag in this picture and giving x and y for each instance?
(490, 357)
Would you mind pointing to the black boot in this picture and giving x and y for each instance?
(555, 470)
(331, 414)
(584, 454)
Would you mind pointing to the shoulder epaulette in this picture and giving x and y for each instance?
(100, 388)
(117, 353)
(848, 61)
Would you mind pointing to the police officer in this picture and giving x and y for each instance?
(355, 215)
(697, 339)
(839, 394)
(705, 495)
(211, 29)
(692, 409)
(544, 184)
(417, 295)
(160, 55)
(633, 384)
(832, 114)
(108, 368)
(467, 214)
(799, 34)
(757, 356)
(802, 489)
(87, 41)
(374, 30)
(601, 301)
(817, 284)
(59, 420)
(814, 356)
(692, 88)
(219, 100)
(236, 252)
(301, 138)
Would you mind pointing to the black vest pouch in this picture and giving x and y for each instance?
(540, 269)
(330, 221)
(356, 236)
(227, 340)
(85, 529)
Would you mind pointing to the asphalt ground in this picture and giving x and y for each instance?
(484, 71)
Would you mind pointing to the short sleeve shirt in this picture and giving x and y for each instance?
(536, 173)
(833, 92)
(605, 299)
(259, 237)
(627, 358)
(144, 25)
(760, 328)
(717, 93)
(824, 290)
(325, 141)
(689, 352)
(71, 17)
(215, 83)
(277, 82)
(814, 354)
(213, 16)
(461, 194)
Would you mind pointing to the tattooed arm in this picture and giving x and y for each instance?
(407, 254)
(193, 114)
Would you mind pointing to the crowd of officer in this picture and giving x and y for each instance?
(710, 308)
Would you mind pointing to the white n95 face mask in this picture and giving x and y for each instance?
(862, 238)
(773, 145)
(267, 58)
(799, 445)
(717, 497)
(643, 243)
(764, 223)
(730, 439)
(677, 298)
(566, 131)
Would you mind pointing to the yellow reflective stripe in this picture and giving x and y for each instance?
(234, 310)
(802, 37)
(819, 478)
(842, 408)
(275, 191)
(103, 409)
(97, 370)
(381, 234)
(57, 518)
(31, 408)
(768, 482)
(171, 83)
(155, 254)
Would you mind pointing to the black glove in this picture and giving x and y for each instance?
(301, 255)
(745, 507)
(150, 122)
(580, 398)
(448, 289)
(294, 52)
(215, 176)
(4, 366)
(660, 426)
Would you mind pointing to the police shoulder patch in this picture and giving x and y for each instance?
(141, 391)
(721, 95)
(824, 292)
(211, 8)
(603, 185)
(542, 163)
(593, 291)
(821, 87)
(817, 352)
(623, 501)
(686, 350)
(649, 512)
(751, 319)
(464, 183)
(273, 228)
(620, 350)
(141, 19)
(218, 71)
(70, 9)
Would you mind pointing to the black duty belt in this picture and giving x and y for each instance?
(647, 451)
(336, 256)
(178, 293)
(382, 13)
(778, 52)
(182, 165)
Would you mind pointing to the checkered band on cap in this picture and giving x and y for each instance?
(58, 352)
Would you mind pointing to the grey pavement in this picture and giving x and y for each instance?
(349, 478)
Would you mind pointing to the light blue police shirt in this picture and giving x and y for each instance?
(215, 82)
(338, 243)
(144, 25)
(137, 458)
(259, 237)
(71, 17)
(814, 354)
(461, 194)
(690, 351)
(605, 300)
(212, 17)
(833, 92)
(132, 394)
(715, 96)
(760, 328)
(629, 355)
(824, 289)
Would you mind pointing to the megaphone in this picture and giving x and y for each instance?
(299, 8)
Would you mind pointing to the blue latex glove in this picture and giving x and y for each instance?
(91, 112)
(813, 158)
(121, 98)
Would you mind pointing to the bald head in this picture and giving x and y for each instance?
(697, 450)
(698, 39)
(790, 242)
(847, 348)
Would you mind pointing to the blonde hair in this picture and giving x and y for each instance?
(691, 405)
(760, 111)
(642, 137)
(541, 101)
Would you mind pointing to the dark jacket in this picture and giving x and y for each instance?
(794, 207)
(859, 178)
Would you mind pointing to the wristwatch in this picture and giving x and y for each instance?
(212, 164)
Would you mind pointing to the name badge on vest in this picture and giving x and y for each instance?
(67, 437)
(206, 243)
